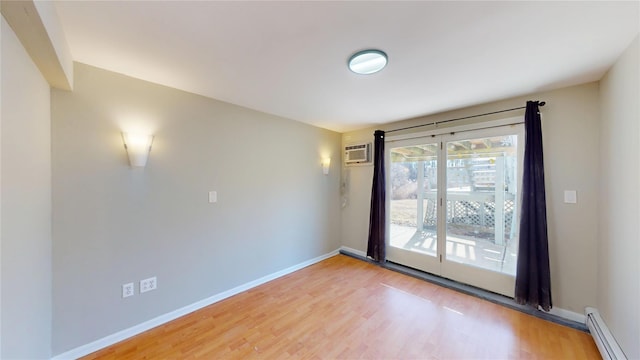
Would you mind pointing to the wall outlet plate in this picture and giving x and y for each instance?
(148, 284)
(128, 290)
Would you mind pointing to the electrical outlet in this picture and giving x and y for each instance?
(148, 284)
(128, 290)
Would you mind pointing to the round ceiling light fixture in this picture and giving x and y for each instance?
(368, 61)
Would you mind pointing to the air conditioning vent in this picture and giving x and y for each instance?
(357, 154)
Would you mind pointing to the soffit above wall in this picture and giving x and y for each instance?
(41, 35)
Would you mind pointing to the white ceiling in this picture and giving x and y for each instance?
(289, 58)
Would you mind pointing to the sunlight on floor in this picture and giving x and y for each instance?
(470, 251)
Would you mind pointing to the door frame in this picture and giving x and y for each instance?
(490, 280)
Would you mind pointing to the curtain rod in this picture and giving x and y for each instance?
(541, 103)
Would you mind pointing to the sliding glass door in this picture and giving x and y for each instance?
(413, 226)
(453, 205)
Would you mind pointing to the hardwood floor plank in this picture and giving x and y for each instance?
(343, 308)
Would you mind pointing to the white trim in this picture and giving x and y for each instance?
(354, 251)
(162, 319)
(446, 130)
(569, 315)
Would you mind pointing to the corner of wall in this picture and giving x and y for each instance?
(619, 206)
(25, 220)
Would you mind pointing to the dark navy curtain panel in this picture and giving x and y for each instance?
(376, 243)
(533, 278)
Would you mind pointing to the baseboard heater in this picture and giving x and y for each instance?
(606, 343)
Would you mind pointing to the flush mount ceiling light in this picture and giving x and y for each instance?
(368, 61)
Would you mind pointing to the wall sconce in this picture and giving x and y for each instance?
(138, 148)
(326, 162)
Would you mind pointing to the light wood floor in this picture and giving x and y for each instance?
(343, 308)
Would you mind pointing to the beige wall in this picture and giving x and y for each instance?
(570, 129)
(619, 246)
(25, 206)
(114, 225)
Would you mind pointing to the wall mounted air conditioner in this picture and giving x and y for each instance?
(357, 154)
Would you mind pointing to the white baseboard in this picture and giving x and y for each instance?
(162, 319)
(353, 251)
(569, 315)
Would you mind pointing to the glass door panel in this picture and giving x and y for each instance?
(481, 198)
(482, 179)
(413, 220)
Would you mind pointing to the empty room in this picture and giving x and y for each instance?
(319, 179)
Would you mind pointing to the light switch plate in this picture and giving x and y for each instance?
(570, 197)
(213, 196)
